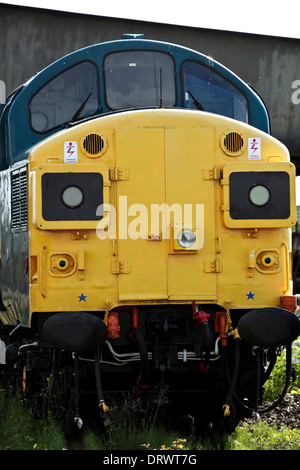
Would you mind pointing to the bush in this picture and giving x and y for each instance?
(276, 382)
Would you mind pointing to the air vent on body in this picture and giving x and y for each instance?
(19, 199)
(93, 145)
(232, 143)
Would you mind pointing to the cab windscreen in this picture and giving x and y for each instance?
(71, 196)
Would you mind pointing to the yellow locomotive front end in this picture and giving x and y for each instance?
(156, 215)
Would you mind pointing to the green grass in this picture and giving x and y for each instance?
(130, 427)
(276, 381)
(19, 430)
(263, 437)
(258, 436)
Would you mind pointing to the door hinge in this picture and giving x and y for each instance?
(120, 267)
(211, 173)
(81, 265)
(119, 174)
(213, 266)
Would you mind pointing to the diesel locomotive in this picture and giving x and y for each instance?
(146, 216)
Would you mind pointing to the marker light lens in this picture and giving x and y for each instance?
(186, 238)
(72, 197)
(259, 195)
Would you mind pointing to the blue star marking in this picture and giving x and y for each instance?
(82, 297)
(250, 296)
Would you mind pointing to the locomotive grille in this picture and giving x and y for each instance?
(233, 143)
(19, 199)
(94, 145)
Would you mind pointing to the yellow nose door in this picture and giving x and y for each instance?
(141, 252)
(192, 264)
(165, 215)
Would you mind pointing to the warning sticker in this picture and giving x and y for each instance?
(254, 148)
(70, 152)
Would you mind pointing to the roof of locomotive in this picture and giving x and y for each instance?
(17, 135)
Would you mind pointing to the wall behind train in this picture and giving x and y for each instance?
(32, 38)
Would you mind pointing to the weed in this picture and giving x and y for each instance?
(275, 383)
(263, 437)
(19, 430)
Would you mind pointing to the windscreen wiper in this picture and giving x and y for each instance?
(196, 102)
(75, 116)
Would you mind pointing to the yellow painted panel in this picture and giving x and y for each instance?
(187, 152)
(141, 151)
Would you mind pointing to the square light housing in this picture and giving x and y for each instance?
(186, 239)
(48, 184)
(259, 194)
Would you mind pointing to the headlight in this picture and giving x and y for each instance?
(186, 238)
(259, 195)
(72, 197)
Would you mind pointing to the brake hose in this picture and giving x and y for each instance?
(101, 401)
(231, 393)
(143, 379)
